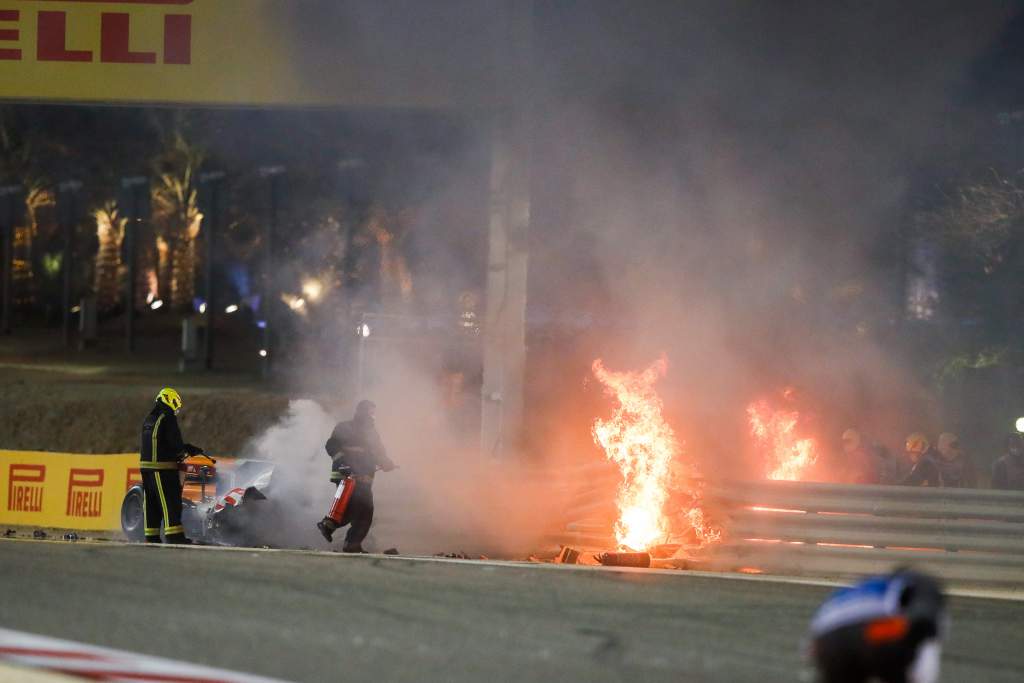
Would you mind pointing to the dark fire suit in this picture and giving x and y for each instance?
(356, 448)
(957, 472)
(160, 451)
(925, 472)
(1008, 472)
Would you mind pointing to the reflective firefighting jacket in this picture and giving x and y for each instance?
(162, 446)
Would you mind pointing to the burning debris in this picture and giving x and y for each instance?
(624, 559)
(643, 445)
(787, 455)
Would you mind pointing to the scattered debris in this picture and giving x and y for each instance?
(624, 559)
(38, 533)
(568, 556)
(391, 551)
(460, 556)
(71, 536)
(10, 532)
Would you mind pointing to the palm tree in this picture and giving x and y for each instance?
(110, 235)
(176, 216)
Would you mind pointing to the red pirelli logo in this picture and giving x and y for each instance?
(133, 477)
(114, 40)
(25, 488)
(85, 493)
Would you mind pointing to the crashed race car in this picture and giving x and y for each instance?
(220, 505)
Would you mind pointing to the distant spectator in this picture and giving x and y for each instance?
(956, 469)
(860, 463)
(924, 470)
(891, 469)
(1008, 471)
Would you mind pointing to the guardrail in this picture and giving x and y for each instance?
(835, 530)
(843, 530)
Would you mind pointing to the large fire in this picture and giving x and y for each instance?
(788, 456)
(643, 445)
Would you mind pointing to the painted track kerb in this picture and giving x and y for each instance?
(106, 664)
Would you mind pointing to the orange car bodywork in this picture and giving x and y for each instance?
(198, 478)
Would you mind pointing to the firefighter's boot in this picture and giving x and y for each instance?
(327, 527)
(353, 548)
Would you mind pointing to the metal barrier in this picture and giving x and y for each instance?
(843, 530)
(966, 536)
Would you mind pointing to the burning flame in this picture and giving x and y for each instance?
(788, 457)
(639, 440)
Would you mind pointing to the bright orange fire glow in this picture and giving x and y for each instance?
(643, 445)
(787, 456)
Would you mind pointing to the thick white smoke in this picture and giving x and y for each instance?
(443, 498)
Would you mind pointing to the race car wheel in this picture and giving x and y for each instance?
(132, 516)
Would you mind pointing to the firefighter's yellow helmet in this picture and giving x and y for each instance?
(170, 398)
(917, 443)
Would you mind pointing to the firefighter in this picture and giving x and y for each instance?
(161, 451)
(924, 469)
(885, 628)
(955, 467)
(860, 464)
(1008, 471)
(356, 453)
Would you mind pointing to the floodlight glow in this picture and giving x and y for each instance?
(263, 353)
(156, 304)
(363, 330)
(312, 289)
(1020, 424)
(202, 308)
(231, 309)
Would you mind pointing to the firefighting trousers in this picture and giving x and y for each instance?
(162, 508)
(359, 513)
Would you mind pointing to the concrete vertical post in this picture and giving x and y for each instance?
(68, 209)
(505, 317)
(273, 174)
(136, 191)
(211, 181)
(504, 354)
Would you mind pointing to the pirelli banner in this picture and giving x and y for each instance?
(407, 53)
(65, 490)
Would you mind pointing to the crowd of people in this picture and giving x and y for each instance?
(945, 464)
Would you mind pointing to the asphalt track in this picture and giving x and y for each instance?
(327, 617)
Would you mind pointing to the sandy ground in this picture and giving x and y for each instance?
(94, 401)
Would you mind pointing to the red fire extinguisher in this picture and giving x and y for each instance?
(341, 498)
